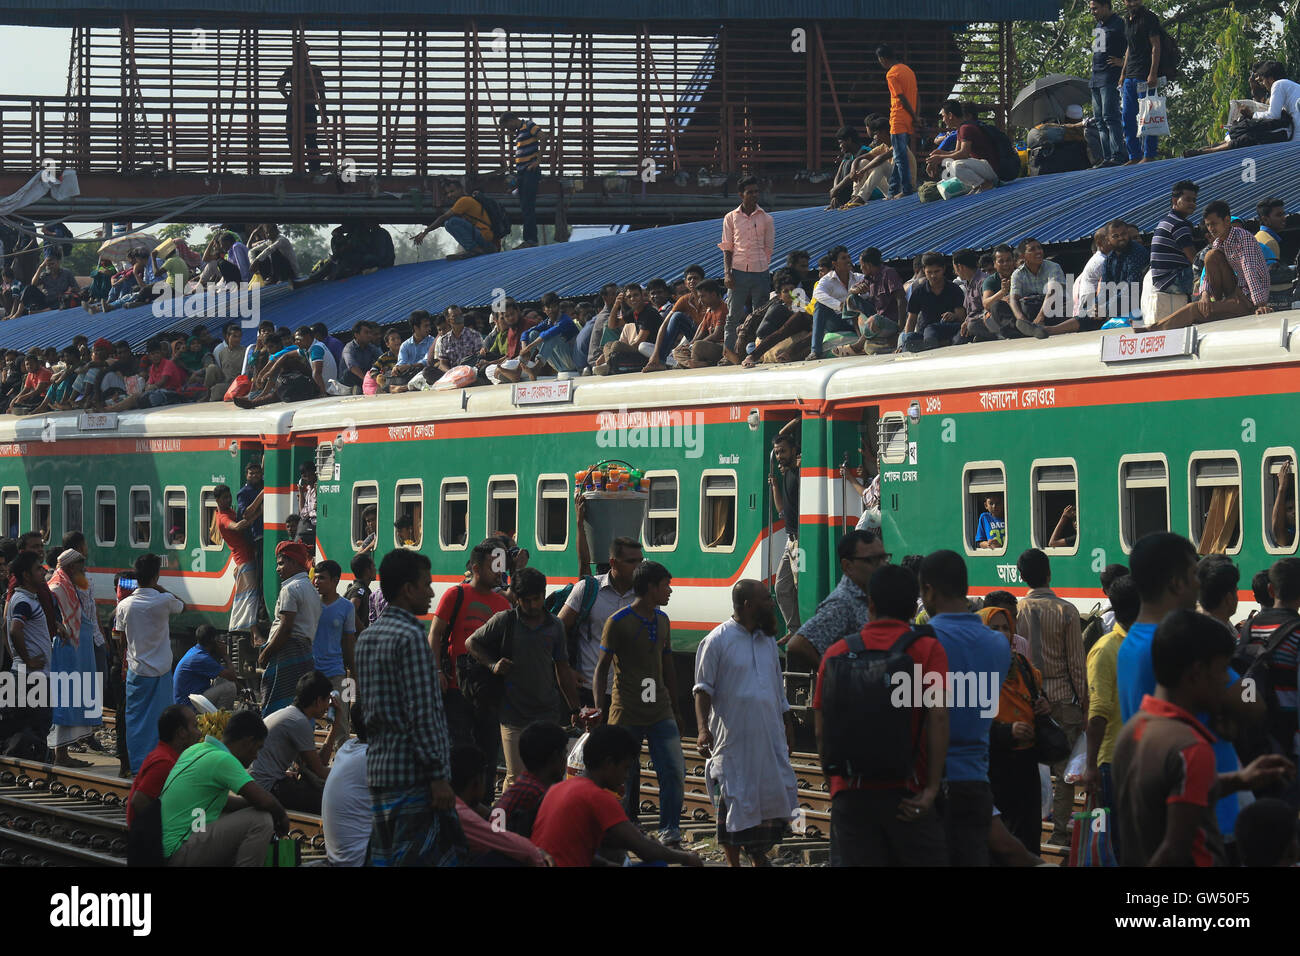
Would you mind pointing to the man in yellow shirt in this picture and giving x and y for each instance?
(903, 119)
(466, 220)
(1104, 722)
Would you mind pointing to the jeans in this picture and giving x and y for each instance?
(665, 741)
(677, 326)
(557, 351)
(527, 181)
(749, 291)
(1148, 146)
(900, 179)
(467, 234)
(826, 320)
(935, 335)
(1105, 107)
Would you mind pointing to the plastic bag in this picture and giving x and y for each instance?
(461, 376)
(1091, 842)
(574, 766)
(240, 387)
(1153, 116)
(952, 188)
(1078, 762)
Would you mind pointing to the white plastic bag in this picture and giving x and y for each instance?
(1153, 116)
(574, 765)
(1078, 762)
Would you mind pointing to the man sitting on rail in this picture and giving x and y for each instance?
(178, 730)
(290, 739)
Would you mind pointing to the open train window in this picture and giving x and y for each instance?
(552, 512)
(503, 505)
(11, 509)
(325, 461)
(1055, 504)
(453, 528)
(72, 510)
(1143, 497)
(1214, 502)
(175, 512)
(409, 503)
(718, 511)
(1279, 497)
(365, 514)
(660, 532)
(893, 438)
(984, 507)
(41, 512)
(141, 527)
(209, 536)
(106, 517)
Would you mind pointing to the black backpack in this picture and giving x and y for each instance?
(498, 218)
(1251, 660)
(1007, 165)
(864, 734)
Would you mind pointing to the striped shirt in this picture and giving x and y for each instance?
(397, 684)
(1055, 636)
(528, 151)
(1281, 671)
(1248, 263)
(1172, 236)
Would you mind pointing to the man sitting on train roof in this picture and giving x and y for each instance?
(293, 374)
(1038, 296)
(165, 384)
(935, 308)
(1235, 281)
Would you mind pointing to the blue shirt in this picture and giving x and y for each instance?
(972, 649)
(1136, 678)
(244, 499)
(336, 620)
(413, 352)
(991, 529)
(194, 674)
(564, 326)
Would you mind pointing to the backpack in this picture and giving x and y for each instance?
(483, 689)
(557, 599)
(498, 218)
(1251, 660)
(1007, 165)
(929, 192)
(1171, 58)
(864, 734)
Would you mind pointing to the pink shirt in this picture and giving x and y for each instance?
(482, 838)
(749, 239)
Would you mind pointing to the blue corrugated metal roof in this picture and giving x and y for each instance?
(58, 12)
(1053, 209)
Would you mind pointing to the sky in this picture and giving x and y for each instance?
(36, 60)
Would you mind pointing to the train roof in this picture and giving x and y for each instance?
(218, 419)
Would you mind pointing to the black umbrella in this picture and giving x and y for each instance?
(1045, 100)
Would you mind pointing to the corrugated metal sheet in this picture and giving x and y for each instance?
(1053, 209)
(57, 12)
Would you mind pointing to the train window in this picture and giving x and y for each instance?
(1055, 504)
(175, 511)
(325, 461)
(72, 510)
(41, 512)
(892, 437)
(660, 532)
(1279, 499)
(209, 535)
(718, 511)
(365, 515)
(409, 505)
(1143, 497)
(552, 512)
(453, 528)
(106, 516)
(11, 506)
(984, 507)
(1214, 499)
(141, 529)
(503, 506)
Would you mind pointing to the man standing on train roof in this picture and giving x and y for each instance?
(143, 622)
(785, 496)
(746, 732)
(528, 137)
(748, 236)
(235, 532)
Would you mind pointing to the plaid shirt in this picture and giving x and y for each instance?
(1243, 251)
(457, 350)
(520, 803)
(397, 684)
(1055, 636)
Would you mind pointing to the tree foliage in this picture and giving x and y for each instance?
(1198, 98)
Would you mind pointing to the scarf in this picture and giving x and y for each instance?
(64, 590)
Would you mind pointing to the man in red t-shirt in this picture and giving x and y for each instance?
(893, 822)
(247, 602)
(165, 383)
(35, 383)
(478, 600)
(972, 159)
(580, 815)
(178, 729)
(706, 348)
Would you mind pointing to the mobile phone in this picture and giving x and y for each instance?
(127, 584)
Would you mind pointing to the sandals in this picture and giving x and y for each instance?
(846, 351)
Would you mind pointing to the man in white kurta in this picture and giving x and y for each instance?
(745, 727)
